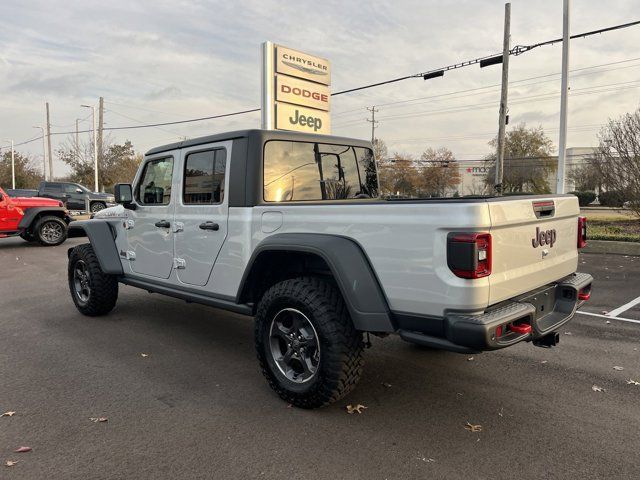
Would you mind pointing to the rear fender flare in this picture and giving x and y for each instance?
(350, 268)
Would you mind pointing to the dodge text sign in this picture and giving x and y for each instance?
(301, 65)
(295, 90)
(302, 119)
(301, 92)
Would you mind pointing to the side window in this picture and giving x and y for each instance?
(204, 177)
(70, 188)
(53, 188)
(155, 183)
(301, 171)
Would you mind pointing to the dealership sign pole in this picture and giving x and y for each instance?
(295, 90)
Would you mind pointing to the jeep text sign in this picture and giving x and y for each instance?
(547, 237)
(301, 65)
(302, 119)
(301, 92)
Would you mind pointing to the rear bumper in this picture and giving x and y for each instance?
(528, 317)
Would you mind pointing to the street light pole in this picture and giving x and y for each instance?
(13, 166)
(564, 94)
(95, 146)
(44, 151)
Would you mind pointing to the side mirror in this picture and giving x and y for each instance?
(123, 193)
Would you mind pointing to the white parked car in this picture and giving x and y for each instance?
(289, 228)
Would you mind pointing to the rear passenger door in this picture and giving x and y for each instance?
(201, 211)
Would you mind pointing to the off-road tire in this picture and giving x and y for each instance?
(341, 345)
(103, 293)
(97, 206)
(49, 221)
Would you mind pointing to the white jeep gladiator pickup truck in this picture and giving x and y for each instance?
(289, 228)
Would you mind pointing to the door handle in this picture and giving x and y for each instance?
(209, 226)
(163, 224)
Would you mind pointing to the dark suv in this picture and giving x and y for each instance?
(75, 196)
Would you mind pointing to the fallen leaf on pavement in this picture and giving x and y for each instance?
(8, 414)
(355, 408)
(544, 361)
(618, 368)
(386, 385)
(568, 333)
(632, 382)
(23, 450)
(144, 354)
(473, 428)
(608, 322)
(98, 419)
(10, 463)
(604, 312)
(596, 388)
(470, 359)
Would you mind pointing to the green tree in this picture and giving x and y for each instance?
(27, 174)
(527, 166)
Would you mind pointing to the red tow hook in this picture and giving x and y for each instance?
(582, 295)
(521, 329)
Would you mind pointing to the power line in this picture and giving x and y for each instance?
(518, 50)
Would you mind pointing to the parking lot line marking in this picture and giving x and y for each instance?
(624, 308)
(608, 317)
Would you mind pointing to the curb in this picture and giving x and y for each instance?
(612, 247)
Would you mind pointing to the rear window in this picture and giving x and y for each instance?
(303, 171)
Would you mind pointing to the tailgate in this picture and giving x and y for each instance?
(520, 262)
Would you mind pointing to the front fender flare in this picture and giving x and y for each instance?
(102, 237)
(351, 270)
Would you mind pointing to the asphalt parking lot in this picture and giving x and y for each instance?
(183, 397)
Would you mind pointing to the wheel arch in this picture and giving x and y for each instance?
(101, 235)
(339, 257)
(33, 214)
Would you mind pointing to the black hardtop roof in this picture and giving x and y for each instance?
(263, 136)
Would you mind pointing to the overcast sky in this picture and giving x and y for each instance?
(171, 60)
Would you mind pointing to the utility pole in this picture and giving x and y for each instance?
(95, 146)
(564, 95)
(44, 152)
(49, 144)
(502, 121)
(373, 122)
(100, 127)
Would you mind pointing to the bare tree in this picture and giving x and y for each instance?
(118, 164)
(439, 172)
(617, 160)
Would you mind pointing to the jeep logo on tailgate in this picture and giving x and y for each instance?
(547, 237)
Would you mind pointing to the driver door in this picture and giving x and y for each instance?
(150, 235)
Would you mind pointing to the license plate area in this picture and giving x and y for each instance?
(543, 299)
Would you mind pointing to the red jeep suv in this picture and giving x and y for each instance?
(34, 219)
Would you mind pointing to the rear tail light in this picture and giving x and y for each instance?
(582, 232)
(469, 254)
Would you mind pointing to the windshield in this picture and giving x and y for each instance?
(302, 171)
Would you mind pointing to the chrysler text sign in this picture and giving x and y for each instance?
(302, 119)
(301, 92)
(301, 65)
